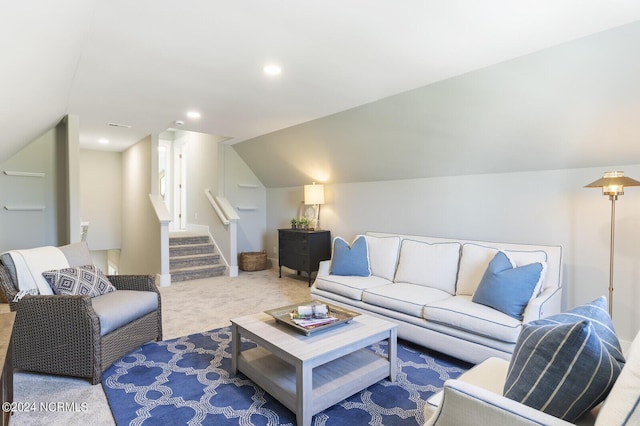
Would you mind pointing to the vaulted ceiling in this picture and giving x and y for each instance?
(384, 65)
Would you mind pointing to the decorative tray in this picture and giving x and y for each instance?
(334, 315)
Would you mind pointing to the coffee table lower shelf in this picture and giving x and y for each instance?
(331, 382)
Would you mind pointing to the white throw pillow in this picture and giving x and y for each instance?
(383, 255)
(432, 265)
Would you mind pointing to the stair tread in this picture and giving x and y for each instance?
(195, 256)
(198, 267)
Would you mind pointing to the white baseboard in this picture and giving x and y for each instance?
(163, 280)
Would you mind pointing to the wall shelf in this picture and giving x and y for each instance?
(23, 174)
(247, 185)
(246, 208)
(24, 208)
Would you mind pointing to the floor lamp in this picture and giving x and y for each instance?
(612, 184)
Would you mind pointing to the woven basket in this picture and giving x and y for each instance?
(252, 260)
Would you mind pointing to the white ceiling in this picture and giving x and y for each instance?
(145, 63)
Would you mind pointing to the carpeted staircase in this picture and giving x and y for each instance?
(192, 257)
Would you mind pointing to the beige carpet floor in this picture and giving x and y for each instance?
(187, 307)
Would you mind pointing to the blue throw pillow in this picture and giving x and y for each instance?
(598, 312)
(506, 288)
(350, 260)
(566, 364)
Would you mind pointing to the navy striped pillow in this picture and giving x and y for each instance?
(564, 367)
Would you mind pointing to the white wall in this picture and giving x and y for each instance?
(548, 207)
(140, 228)
(101, 198)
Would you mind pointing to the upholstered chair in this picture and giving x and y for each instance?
(79, 334)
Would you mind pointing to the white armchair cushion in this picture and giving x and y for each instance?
(432, 265)
(383, 255)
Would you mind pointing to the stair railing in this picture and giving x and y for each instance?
(164, 218)
(229, 218)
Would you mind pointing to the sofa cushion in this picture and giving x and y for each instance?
(383, 255)
(350, 259)
(87, 280)
(562, 368)
(120, 307)
(622, 406)
(507, 288)
(403, 297)
(460, 312)
(433, 265)
(349, 286)
(474, 261)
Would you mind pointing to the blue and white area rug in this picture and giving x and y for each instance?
(188, 381)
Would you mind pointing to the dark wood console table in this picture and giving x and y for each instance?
(303, 250)
(6, 360)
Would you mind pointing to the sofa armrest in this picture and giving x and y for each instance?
(324, 268)
(466, 404)
(549, 302)
(134, 282)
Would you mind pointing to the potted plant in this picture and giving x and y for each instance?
(303, 223)
(294, 223)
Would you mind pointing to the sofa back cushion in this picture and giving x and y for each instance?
(432, 265)
(475, 259)
(383, 255)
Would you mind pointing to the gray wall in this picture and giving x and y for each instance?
(47, 154)
(547, 207)
(248, 196)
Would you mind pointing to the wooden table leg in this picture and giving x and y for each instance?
(304, 387)
(393, 354)
(235, 348)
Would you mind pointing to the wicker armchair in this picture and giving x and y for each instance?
(60, 334)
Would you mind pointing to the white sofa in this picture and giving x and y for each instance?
(476, 398)
(426, 285)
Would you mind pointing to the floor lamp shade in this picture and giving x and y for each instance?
(612, 184)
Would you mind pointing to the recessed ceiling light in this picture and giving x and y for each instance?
(103, 141)
(272, 69)
(193, 114)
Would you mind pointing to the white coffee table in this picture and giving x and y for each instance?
(308, 374)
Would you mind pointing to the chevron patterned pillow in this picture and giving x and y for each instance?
(87, 280)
